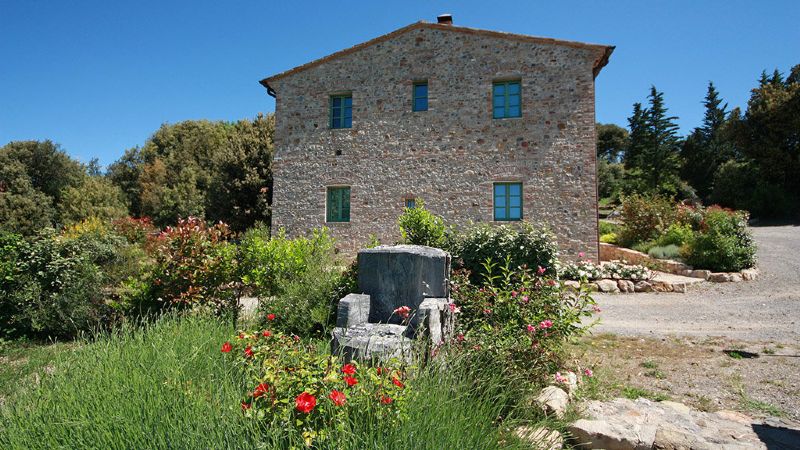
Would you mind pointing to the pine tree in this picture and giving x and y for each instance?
(708, 146)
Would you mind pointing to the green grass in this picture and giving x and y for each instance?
(23, 363)
(633, 393)
(168, 386)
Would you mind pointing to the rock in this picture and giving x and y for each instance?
(735, 277)
(553, 400)
(662, 286)
(749, 274)
(572, 383)
(572, 285)
(679, 287)
(643, 286)
(719, 277)
(607, 286)
(700, 274)
(625, 286)
(642, 424)
(610, 436)
(540, 437)
(593, 287)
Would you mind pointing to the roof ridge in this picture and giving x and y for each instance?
(599, 63)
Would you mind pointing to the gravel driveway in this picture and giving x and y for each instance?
(764, 310)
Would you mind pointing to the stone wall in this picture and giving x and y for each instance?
(450, 155)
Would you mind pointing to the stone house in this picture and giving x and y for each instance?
(484, 126)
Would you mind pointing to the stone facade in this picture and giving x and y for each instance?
(451, 154)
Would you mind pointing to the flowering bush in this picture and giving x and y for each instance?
(518, 319)
(588, 271)
(304, 390)
(581, 270)
(525, 245)
(722, 242)
(135, 230)
(618, 271)
(645, 217)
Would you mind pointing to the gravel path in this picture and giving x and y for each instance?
(764, 310)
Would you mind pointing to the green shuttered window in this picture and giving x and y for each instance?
(506, 99)
(507, 201)
(338, 204)
(342, 111)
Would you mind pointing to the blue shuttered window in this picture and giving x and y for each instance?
(338, 204)
(420, 96)
(342, 111)
(506, 99)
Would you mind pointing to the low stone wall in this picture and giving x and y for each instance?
(611, 252)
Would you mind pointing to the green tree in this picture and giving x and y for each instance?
(653, 147)
(23, 209)
(708, 146)
(612, 141)
(96, 196)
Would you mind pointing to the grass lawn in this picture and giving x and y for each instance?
(168, 386)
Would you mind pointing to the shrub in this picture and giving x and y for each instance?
(298, 279)
(581, 270)
(308, 393)
(676, 235)
(418, 226)
(519, 318)
(525, 245)
(723, 242)
(618, 271)
(54, 285)
(135, 231)
(605, 227)
(194, 266)
(609, 238)
(670, 251)
(645, 218)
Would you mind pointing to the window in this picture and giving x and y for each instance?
(410, 203)
(507, 201)
(342, 111)
(420, 96)
(338, 204)
(506, 99)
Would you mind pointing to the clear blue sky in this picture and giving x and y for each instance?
(101, 76)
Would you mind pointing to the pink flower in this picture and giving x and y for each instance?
(525, 299)
(596, 309)
(560, 378)
(460, 337)
(403, 311)
(513, 294)
(581, 255)
(531, 328)
(453, 308)
(588, 373)
(551, 282)
(541, 270)
(546, 324)
(487, 311)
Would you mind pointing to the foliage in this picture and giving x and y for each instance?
(708, 146)
(610, 179)
(609, 238)
(612, 141)
(135, 231)
(95, 196)
(605, 227)
(652, 159)
(619, 271)
(676, 235)
(586, 270)
(519, 317)
(581, 270)
(418, 226)
(194, 265)
(526, 245)
(298, 388)
(297, 279)
(149, 387)
(214, 170)
(645, 217)
(670, 251)
(723, 242)
(55, 286)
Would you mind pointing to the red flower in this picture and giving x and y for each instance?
(305, 402)
(381, 370)
(241, 335)
(270, 316)
(266, 333)
(227, 347)
(350, 381)
(386, 400)
(349, 369)
(246, 406)
(248, 352)
(260, 390)
(398, 383)
(337, 397)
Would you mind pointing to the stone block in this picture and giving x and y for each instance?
(607, 286)
(353, 310)
(704, 274)
(719, 277)
(749, 274)
(643, 286)
(626, 286)
(401, 275)
(553, 400)
(540, 437)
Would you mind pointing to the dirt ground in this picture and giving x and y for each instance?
(760, 379)
(667, 345)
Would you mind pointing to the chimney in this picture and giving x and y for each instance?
(445, 19)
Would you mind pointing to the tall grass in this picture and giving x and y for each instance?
(168, 386)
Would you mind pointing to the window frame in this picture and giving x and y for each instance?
(342, 120)
(506, 95)
(414, 95)
(412, 201)
(329, 217)
(507, 201)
